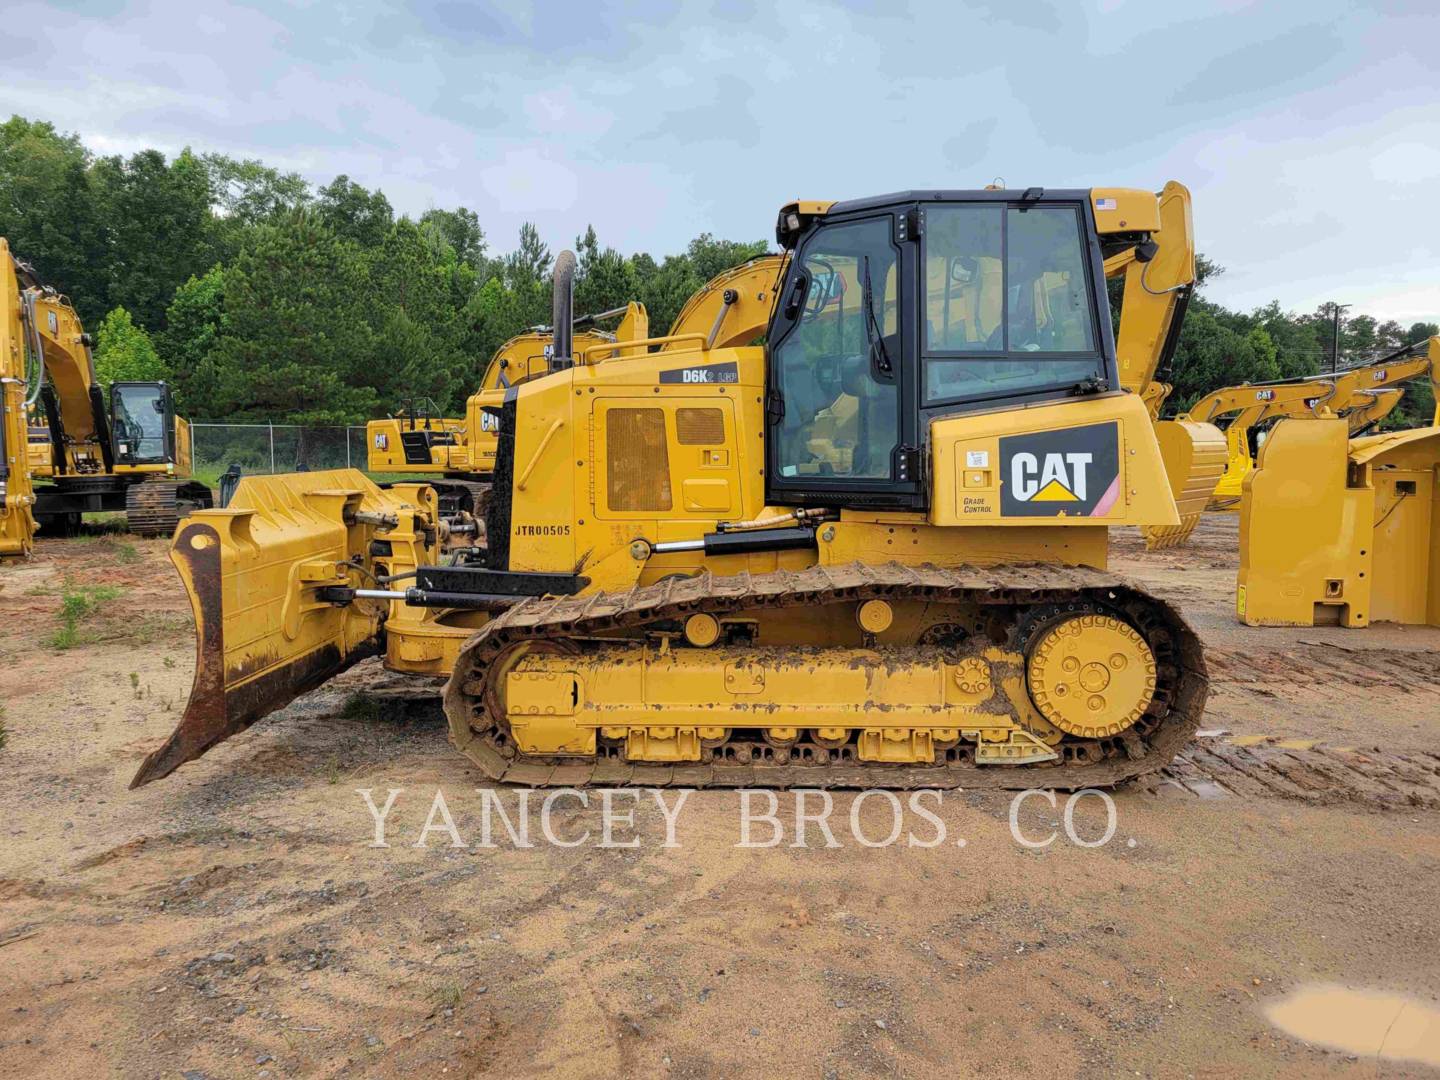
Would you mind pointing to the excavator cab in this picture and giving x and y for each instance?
(142, 423)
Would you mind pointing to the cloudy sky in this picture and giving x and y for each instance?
(1308, 130)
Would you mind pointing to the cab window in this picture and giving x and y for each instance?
(841, 406)
(1008, 306)
(139, 421)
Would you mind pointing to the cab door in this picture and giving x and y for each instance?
(141, 423)
(841, 413)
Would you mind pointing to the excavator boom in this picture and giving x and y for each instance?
(17, 497)
(1363, 395)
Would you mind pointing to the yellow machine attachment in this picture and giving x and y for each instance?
(456, 455)
(732, 308)
(869, 552)
(291, 538)
(17, 497)
(1361, 395)
(1250, 404)
(1369, 407)
(1339, 530)
(1154, 249)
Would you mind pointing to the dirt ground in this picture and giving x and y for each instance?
(233, 921)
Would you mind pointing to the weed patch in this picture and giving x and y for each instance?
(362, 707)
(78, 604)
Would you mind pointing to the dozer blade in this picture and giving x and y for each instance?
(1195, 457)
(253, 571)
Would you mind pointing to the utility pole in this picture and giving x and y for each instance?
(1335, 310)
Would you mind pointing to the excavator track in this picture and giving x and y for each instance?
(155, 507)
(1019, 597)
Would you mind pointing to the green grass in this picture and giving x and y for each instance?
(209, 475)
(79, 603)
(3, 733)
(100, 527)
(361, 707)
(110, 544)
(446, 996)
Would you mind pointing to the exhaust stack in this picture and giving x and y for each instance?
(562, 312)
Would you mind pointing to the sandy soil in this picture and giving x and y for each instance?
(233, 921)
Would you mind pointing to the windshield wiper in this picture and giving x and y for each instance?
(872, 325)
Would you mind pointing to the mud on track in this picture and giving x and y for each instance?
(231, 921)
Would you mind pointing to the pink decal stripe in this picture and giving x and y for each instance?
(1108, 499)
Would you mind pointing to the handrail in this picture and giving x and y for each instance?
(611, 346)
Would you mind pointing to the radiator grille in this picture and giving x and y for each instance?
(699, 427)
(638, 470)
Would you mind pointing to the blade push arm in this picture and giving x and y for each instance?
(1157, 260)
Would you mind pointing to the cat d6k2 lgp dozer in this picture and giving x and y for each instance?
(868, 553)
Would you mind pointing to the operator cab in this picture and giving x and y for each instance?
(142, 423)
(900, 309)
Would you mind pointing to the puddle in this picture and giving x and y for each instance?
(1369, 1023)
(1190, 787)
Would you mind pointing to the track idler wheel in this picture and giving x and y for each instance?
(1091, 675)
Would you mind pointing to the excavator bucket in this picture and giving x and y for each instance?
(255, 573)
(1195, 457)
(1339, 531)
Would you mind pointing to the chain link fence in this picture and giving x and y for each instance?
(274, 448)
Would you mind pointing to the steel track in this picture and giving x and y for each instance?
(1010, 592)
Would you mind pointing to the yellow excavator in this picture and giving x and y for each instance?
(86, 452)
(17, 494)
(868, 552)
(456, 455)
(1363, 396)
(1343, 531)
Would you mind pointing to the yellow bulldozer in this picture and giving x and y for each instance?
(868, 552)
(84, 449)
(1343, 531)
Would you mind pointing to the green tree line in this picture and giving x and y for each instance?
(261, 296)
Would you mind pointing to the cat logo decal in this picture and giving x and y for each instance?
(1074, 472)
